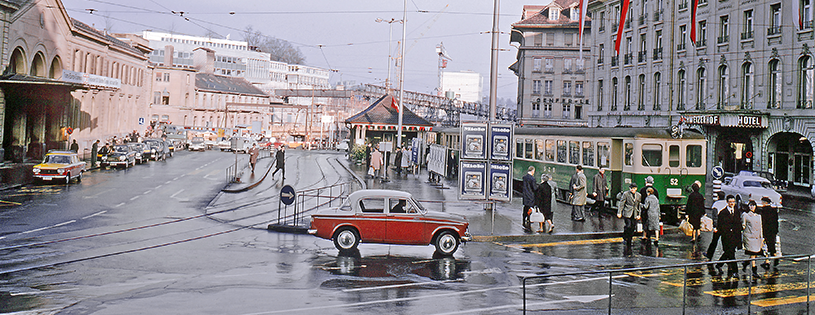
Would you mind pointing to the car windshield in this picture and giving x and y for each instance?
(197, 139)
(121, 148)
(58, 159)
(755, 183)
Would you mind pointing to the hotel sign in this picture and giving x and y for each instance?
(90, 79)
(727, 120)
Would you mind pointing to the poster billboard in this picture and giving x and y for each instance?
(500, 148)
(472, 180)
(474, 141)
(499, 177)
(437, 159)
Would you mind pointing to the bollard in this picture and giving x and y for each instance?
(661, 232)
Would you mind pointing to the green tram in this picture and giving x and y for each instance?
(628, 154)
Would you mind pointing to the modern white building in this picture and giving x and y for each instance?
(465, 85)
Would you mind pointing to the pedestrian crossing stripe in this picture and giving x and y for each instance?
(760, 289)
(567, 243)
(783, 300)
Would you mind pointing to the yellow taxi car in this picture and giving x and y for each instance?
(59, 166)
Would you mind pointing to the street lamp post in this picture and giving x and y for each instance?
(390, 38)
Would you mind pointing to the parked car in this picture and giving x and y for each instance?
(139, 149)
(746, 187)
(389, 217)
(157, 149)
(225, 145)
(779, 185)
(343, 145)
(59, 165)
(197, 144)
(121, 155)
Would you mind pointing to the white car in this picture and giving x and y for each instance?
(745, 188)
(197, 144)
(343, 145)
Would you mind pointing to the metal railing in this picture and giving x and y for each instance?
(310, 199)
(611, 273)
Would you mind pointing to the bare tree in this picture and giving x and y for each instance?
(279, 49)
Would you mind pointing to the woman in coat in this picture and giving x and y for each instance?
(752, 235)
(543, 200)
(651, 206)
(695, 209)
(579, 198)
(405, 160)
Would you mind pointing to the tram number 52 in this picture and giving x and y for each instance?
(674, 182)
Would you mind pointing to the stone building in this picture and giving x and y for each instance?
(740, 72)
(551, 74)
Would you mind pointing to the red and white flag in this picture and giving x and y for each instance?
(583, 4)
(796, 11)
(621, 26)
(394, 105)
(694, 5)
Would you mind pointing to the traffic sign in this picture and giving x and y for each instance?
(141, 121)
(749, 154)
(717, 172)
(287, 195)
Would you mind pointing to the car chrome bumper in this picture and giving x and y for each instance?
(117, 163)
(49, 177)
(312, 231)
(467, 237)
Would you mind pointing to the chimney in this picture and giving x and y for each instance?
(203, 60)
(169, 51)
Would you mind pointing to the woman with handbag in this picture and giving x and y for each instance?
(651, 206)
(752, 236)
(695, 209)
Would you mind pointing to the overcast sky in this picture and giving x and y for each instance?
(335, 34)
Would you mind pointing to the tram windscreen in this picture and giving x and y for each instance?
(652, 155)
(693, 156)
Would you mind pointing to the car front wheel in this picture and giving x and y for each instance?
(346, 239)
(446, 243)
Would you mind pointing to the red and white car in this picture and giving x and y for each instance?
(389, 217)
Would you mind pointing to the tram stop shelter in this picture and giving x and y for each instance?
(379, 122)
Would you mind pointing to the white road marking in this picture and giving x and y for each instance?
(157, 187)
(119, 205)
(49, 227)
(400, 285)
(176, 194)
(147, 192)
(97, 194)
(167, 182)
(95, 214)
(134, 198)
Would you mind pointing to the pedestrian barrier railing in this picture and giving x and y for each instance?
(611, 276)
(310, 199)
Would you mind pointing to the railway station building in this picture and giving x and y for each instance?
(379, 122)
(552, 80)
(742, 73)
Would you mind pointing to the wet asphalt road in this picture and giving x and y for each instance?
(138, 241)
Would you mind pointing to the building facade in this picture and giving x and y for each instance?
(551, 74)
(741, 72)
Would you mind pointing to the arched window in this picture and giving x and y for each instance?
(37, 66)
(17, 61)
(680, 100)
(747, 97)
(806, 88)
(627, 105)
(55, 71)
(657, 89)
(724, 88)
(775, 84)
(641, 93)
(614, 93)
(701, 84)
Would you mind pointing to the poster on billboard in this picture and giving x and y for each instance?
(474, 141)
(472, 180)
(499, 180)
(437, 159)
(500, 148)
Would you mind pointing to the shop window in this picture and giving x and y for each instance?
(693, 156)
(652, 155)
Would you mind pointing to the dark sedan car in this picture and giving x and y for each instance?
(140, 149)
(157, 149)
(121, 155)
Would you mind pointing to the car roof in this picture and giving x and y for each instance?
(377, 193)
(60, 153)
(753, 178)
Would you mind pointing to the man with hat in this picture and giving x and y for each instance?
(600, 190)
(629, 211)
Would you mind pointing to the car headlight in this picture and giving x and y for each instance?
(36, 171)
(61, 171)
(104, 158)
(122, 158)
(153, 150)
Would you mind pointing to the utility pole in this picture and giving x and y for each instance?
(494, 61)
(402, 77)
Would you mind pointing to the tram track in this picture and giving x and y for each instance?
(208, 214)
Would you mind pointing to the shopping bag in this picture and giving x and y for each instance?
(371, 171)
(706, 224)
(686, 227)
(536, 216)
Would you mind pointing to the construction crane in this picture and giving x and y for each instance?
(443, 59)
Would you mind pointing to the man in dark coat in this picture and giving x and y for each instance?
(543, 199)
(769, 225)
(94, 152)
(600, 190)
(280, 161)
(397, 161)
(729, 227)
(529, 188)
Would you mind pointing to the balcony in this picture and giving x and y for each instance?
(615, 60)
(747, 35)
(658, 53)
(580, 95)
(642, 56)
(629, 58)
(549, 70)
(700, 43)
(775, 30)
(723, 39)
(548, 93)
(567, 71)
(580, 71)
(566, 94)
(680, 46)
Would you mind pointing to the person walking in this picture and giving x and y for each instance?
(579, 198)
(529, 188)
(376, 161)
(629, 211)
(600, 190)
(280, 161)
(367, 156)
(695, 209)
(405, 161)
(719, 205)
(649, 182)
(729, 226)
(253, 156)
(543, 200)
(769, 225)
(397, 161)
(75, 146)
(752, 236)
(651, 206)
(94, 152)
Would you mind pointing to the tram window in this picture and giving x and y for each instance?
(588, 154)
(693, 155)
(673, 156)
(561, 151)
(529, 149)
(651, 155)
(602, 154)
(574, 152)
(539, 149)
(629, 154)
(550, 150)
(519, 148)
